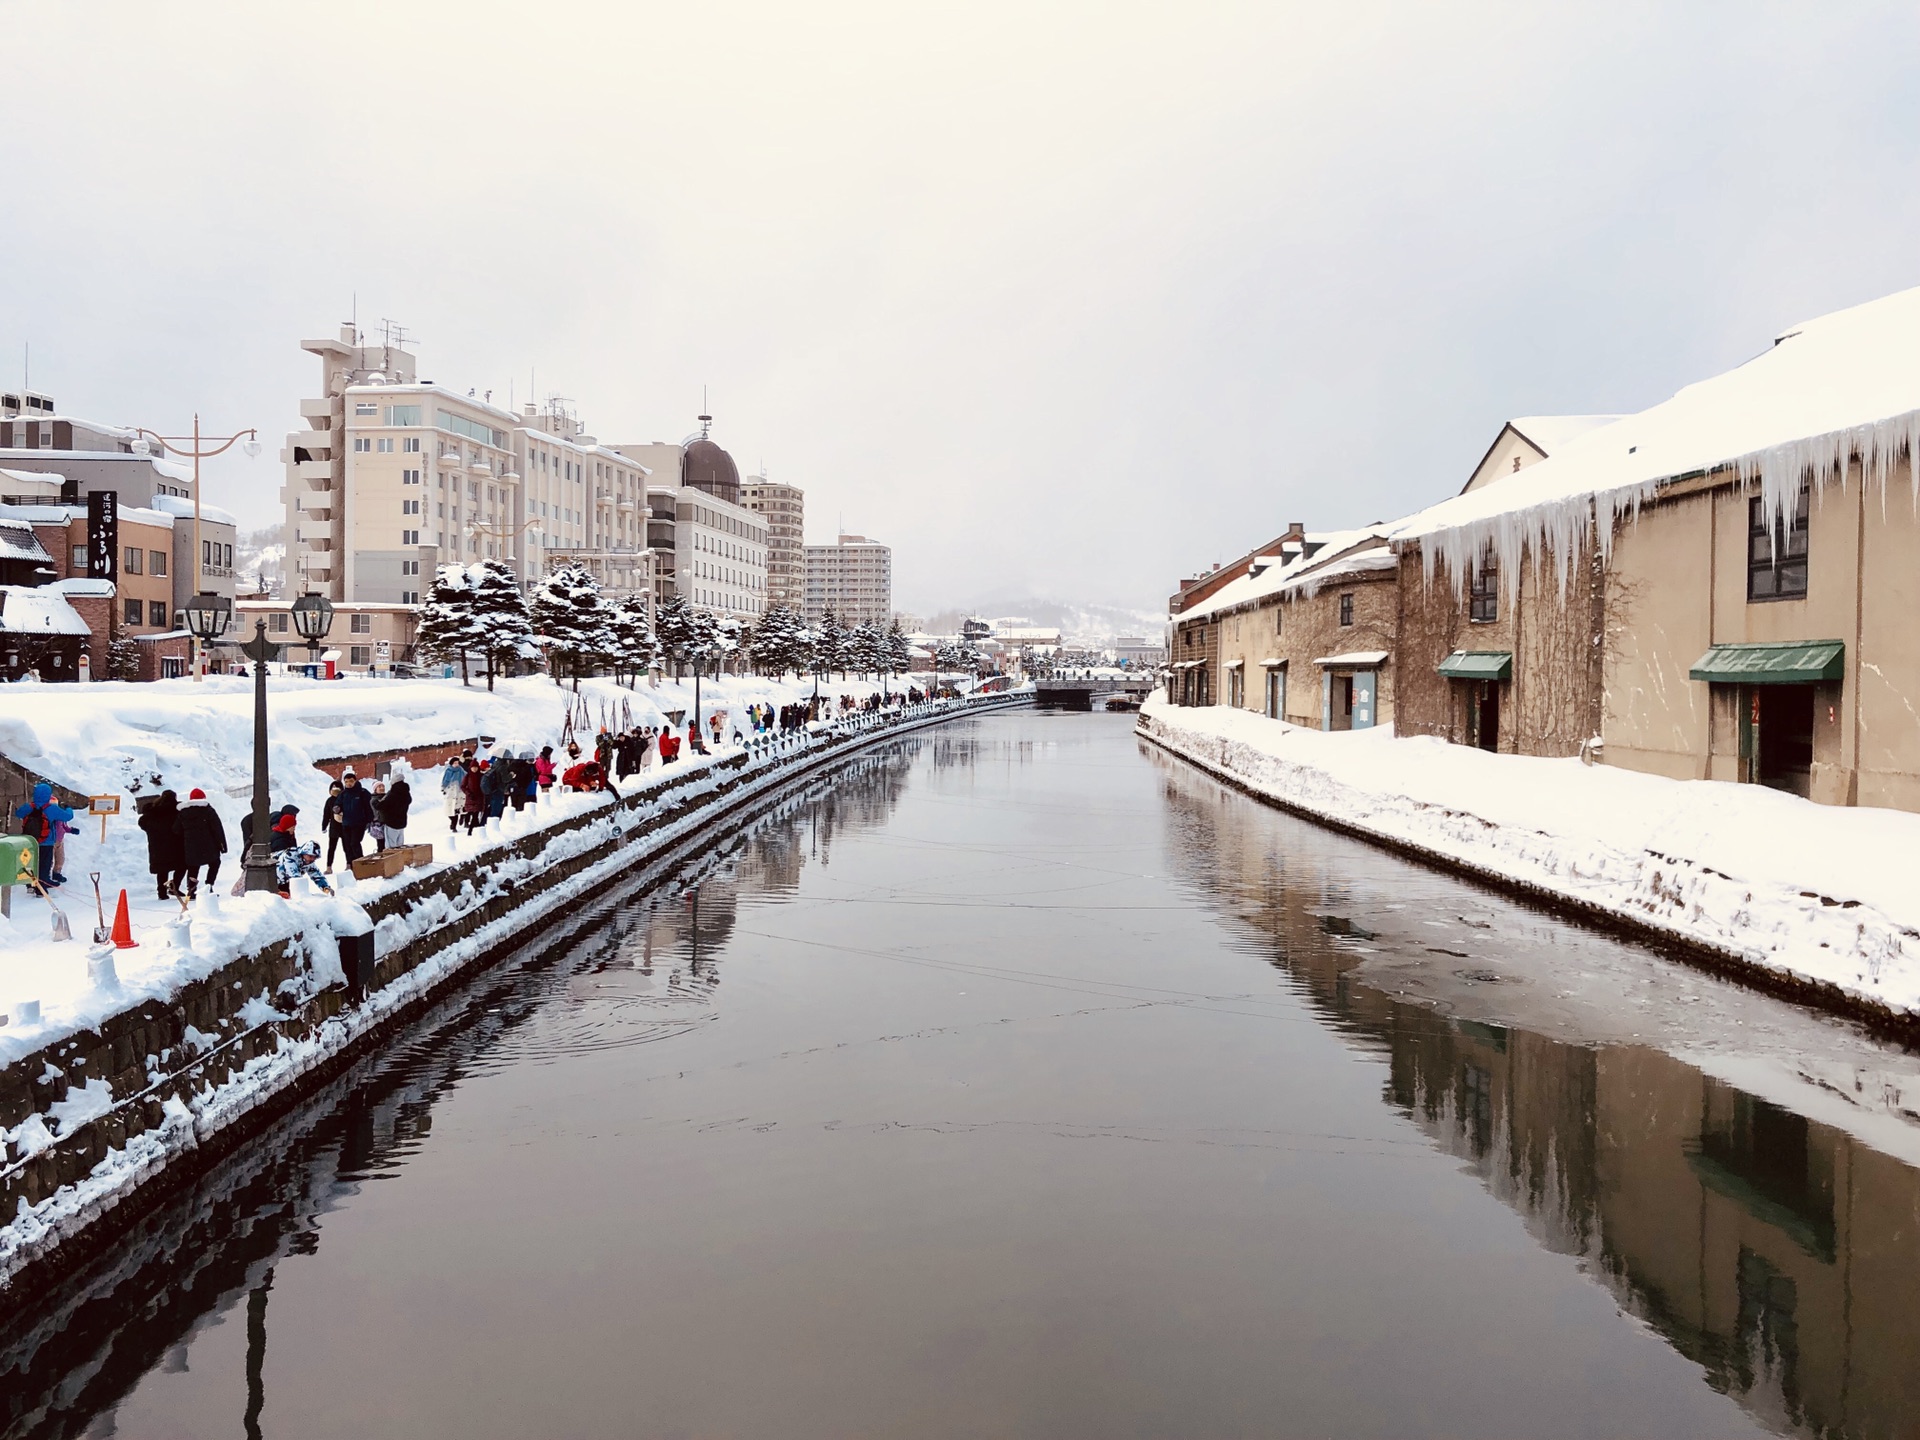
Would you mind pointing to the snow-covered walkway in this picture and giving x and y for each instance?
(130, 740)
(1823, 895)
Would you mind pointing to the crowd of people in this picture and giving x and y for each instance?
(186, 840)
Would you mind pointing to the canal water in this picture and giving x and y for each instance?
(1018, 1080)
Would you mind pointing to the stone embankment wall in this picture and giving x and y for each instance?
(1688, 908)
(160, 1091)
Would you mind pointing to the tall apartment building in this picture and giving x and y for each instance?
(853, 578)
(394, 476)
(708, 546)
(783, 509)
(390, 475)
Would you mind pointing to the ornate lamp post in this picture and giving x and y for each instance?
(208, 616)
(312, 619)
(259, 859)
(194, 448)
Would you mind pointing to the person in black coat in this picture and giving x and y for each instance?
(356, 813)
(165, 859)
(330, 823)
(203, 840)
(393, 807)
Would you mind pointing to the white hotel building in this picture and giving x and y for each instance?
(393, 476)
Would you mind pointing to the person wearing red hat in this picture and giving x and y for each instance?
(203, 840)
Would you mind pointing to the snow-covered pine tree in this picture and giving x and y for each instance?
(778, 644)
(447, 631)
(896, 650)
(574, 618)
(833, 643)
(634, 649)
(503, 622)
(864, 646)
(123, 659)
(674, 628)
(766, 643)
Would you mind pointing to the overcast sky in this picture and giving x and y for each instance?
(1060, 300)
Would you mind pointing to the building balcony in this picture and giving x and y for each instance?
(452, 460)
(314, 470)
(316, 410)
(317, 443)
(315, 530)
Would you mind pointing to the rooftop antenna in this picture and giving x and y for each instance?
(706, 421)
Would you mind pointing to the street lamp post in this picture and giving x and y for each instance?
(191, 446)
(312, 619)
(259, 860)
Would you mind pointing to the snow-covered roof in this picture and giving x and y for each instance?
(18, 542)
(181, 508)
(141, 515)
(34, 478)
(173, 470)
(1335, 553)
(85, 585)
(40, 610)
(44, 514)
(1553, 432)
(1845, 384)
(1356, 659)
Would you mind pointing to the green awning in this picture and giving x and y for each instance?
(1792, 662)
(1478, 665)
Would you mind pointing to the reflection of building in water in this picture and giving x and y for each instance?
(1780, 1254)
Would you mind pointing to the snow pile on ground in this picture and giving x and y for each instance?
(137, 739)
(1822, 894)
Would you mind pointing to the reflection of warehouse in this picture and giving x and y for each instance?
(1780, 1254)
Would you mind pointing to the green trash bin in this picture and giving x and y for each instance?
(19, 863)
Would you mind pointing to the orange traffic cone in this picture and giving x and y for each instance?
(123, 926)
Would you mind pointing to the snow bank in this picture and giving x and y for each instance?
(136, 739)
(1820, 894)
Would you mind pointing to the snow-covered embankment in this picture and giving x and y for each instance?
(1814, 898)
(112, 1112)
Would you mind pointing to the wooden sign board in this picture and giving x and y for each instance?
(103, 804)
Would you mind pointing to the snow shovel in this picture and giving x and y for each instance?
(61, 929)
(100, 933)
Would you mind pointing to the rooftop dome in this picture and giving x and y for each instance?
(711, 469)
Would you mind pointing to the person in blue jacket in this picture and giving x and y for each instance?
(39, 819)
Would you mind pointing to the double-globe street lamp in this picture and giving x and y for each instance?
(209, 617)
(195, 448)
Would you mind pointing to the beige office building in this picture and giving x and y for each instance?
(853, 578)
(394, 476)
(783, 509)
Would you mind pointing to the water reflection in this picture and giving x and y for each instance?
(633, 968)
(1779, 1253)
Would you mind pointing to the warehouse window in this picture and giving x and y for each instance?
(1776, 552)
(1483, 596)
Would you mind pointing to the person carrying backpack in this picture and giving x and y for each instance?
(394, 808)
(38, 819)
